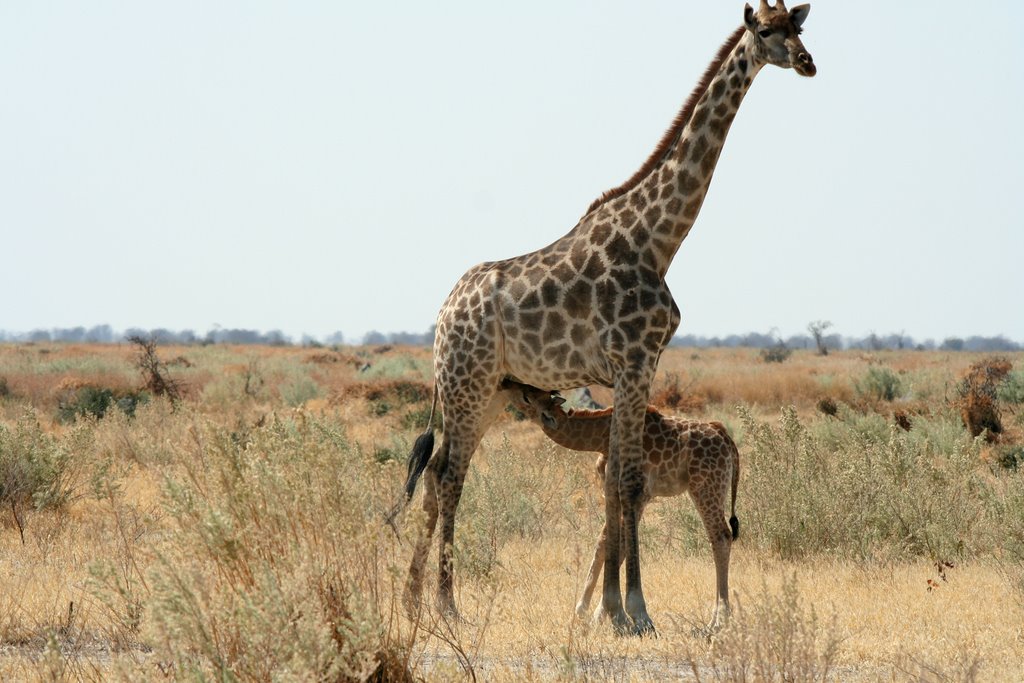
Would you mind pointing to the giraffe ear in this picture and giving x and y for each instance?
(526, 397)
(557, 400)
(748, 17)
(798, 14)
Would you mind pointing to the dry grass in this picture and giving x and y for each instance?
(238, 536)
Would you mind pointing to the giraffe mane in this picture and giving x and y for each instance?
(671, 136)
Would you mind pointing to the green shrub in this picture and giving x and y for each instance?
(1011, 389)
(93, 401)
(861, 492)
(881, 384)
(776, 354)
(299, 389)
(400, 367)
(37, 469)
(1010, 457)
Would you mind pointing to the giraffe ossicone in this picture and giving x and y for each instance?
(590, 308)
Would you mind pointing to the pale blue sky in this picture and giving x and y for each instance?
(329, 166)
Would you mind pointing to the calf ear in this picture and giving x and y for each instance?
(526, 397)
(557, 400)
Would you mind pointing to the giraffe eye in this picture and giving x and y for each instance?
(765, 32)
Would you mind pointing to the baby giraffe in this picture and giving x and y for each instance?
(678, 455)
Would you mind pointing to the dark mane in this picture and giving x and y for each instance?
(585, 414)
(678, 124)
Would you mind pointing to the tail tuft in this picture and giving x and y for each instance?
(421, 451)
(734, 523)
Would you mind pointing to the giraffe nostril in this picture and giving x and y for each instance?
(804, 58)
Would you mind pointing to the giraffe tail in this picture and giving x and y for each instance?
(734, 522)
(418, 459)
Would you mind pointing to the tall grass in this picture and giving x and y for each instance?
(276, 567)
(240, 537)
(867, 490)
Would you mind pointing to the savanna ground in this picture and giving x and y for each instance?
(236, 534)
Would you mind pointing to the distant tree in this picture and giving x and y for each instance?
(999, 343)
(952, 344)
(100, 334)
(334, 339)
(799, 341)
(276, 338)
(38, 336)
(374, 338)
(69, 334)
(817, 330)
(163, 336)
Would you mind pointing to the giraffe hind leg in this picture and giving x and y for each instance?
(595, 573)
(414, 584)
(464, 436)
(720, 534)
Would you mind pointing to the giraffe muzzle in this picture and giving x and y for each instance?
(804, 65)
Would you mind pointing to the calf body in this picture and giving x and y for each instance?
(698, 458)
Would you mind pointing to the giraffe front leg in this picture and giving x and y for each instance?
(627, 434)
(611, 595)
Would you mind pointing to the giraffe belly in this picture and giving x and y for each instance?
(552, 370)
(551, 378)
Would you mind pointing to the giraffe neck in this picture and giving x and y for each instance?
(683, 181)
(582, 431)
(660, 209)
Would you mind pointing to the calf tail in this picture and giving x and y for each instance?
(418, 459)
(734, 522)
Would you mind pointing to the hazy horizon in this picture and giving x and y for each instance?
(320, 167)
(751, 338)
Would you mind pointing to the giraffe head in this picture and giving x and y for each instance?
(544, 407)
(776, 36)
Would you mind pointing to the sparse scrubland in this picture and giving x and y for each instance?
(235, 532)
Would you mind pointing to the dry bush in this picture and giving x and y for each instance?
(902, 419)
(828, 406)
(977, 398)
(274, 565)
(773, 639)
(669, 394)
(154, 371)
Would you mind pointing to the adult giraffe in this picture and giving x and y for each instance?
(591, 308)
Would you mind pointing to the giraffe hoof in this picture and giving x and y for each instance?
(643, 628)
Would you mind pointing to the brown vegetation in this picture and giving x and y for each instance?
(239, 535)
(976, 397)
